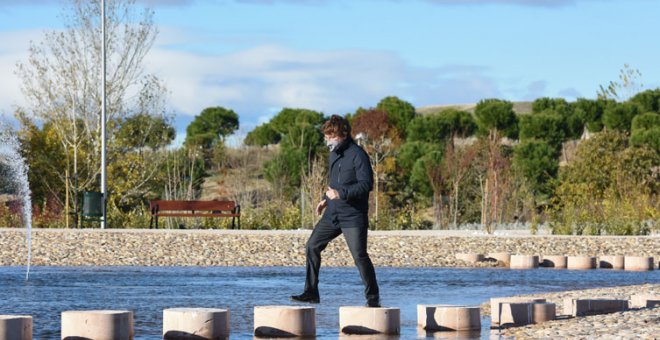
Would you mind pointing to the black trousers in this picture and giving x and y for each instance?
(356, 239)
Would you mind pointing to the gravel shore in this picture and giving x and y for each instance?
(641, 323)
(144, 247)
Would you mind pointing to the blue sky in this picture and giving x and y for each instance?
(258, 56)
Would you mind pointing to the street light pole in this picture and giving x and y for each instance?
(104, 189)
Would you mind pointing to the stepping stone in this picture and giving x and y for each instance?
(644, 301)
(638, 263)
(580, 307)
(284, 321)
(524, 262)
(496, 314)
(554, 261)
(448, 318)
(195, 324)
(514, 314)
(16, 327)
(503, 257)
(611, 262)
(98, 324)
(581, 262)
(544, 311)
(470, 257)
(366, 320)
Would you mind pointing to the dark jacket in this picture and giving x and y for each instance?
(351, 175)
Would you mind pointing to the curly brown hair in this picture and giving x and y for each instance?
(336, 126)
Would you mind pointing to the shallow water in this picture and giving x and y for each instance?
(148, 290)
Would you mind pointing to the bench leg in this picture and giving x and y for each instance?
(239, 222)
(156, 221)
(232, 222)
(151, 220)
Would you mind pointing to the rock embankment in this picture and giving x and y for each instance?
(631, 324)
(135, 247)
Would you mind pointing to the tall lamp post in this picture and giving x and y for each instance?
(104, 189)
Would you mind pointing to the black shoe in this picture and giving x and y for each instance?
(306, 297)
(373, 303)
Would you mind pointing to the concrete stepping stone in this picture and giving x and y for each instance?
(98, 324)
(195, 324)
(448, 318)
(524, 262)
(284, 321)
(580, 262)
(580, 307)
(611, 262)
(515, 314)
(554, 261)
(496, 313)
(644, 301)
(638, 263)
(16, 327)
(366, 320)
(503, 257)
(544, 311)
(470, 257)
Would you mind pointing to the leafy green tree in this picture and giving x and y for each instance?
(495, 115)
(646, 121)
(211, 126)
(608, 188)
(437, 128)
(144, 131)
(619, 116)
(141, 139)
(420, 179)
(301, 141)
(558, 105)
(428, 129)
(646, 130)
(45, 156)
(573, 121)
(547, 127)
(591, 112)
(299, 128)
(462, 123)
(400, 113)
(263, 135)
(648, 101)
(284, 171)
(538, 162)
(408, 155)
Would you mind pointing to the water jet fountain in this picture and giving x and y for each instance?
(18, 177)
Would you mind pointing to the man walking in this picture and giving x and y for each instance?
(346, 205)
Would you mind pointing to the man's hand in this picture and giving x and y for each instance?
(332, 194)
(320, 207)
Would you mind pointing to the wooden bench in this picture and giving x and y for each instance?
(163, 208)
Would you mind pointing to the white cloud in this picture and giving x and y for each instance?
(14, 49)
(257, 82)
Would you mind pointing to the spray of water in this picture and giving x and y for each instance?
(18, 175)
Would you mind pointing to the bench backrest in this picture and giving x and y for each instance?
(163, 205)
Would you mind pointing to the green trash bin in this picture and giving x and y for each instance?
(92, 206)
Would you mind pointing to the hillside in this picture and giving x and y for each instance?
(518, 107)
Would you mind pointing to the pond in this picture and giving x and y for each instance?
(148, 290)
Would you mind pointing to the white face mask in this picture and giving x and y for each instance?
(332, 144)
